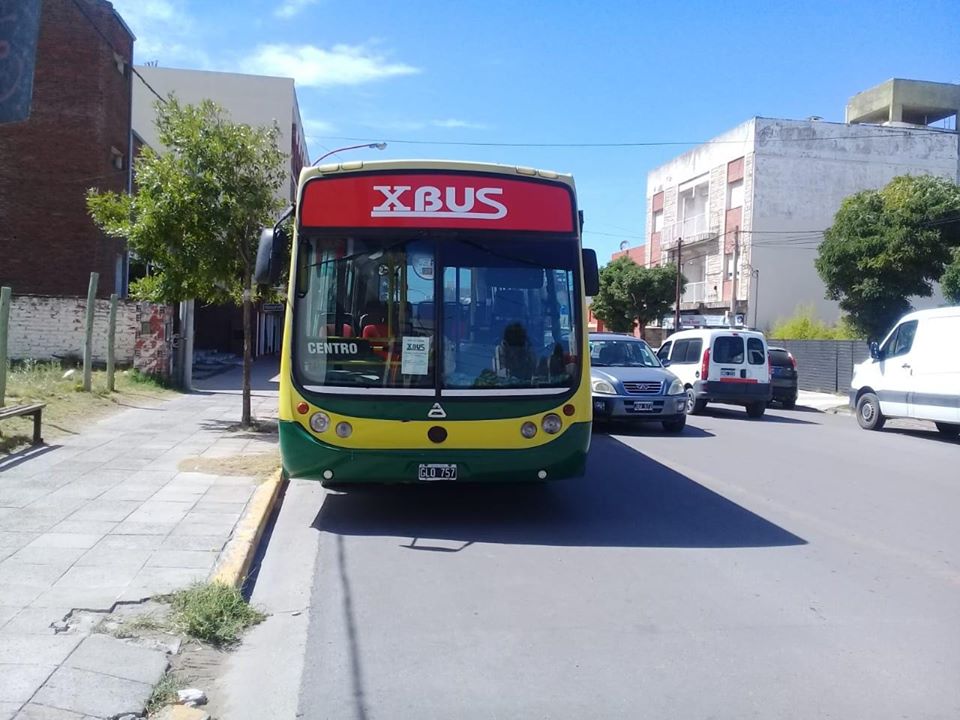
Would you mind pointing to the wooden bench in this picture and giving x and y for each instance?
(35, 409)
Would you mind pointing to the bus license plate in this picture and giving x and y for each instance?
(437, 471)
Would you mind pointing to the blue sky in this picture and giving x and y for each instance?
(564, 71)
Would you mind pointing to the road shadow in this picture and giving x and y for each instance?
(261, 428)
(930, 434)
(648, 429)
(626, 499)
(12, 460)
(737, 413)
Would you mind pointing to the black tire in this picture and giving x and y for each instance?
(756, 410)
(948, 430)
(694, 406)
(868, 412)
(789, 404)
(675, 426)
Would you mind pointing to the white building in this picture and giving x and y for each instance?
(772, 186)
(255, 100)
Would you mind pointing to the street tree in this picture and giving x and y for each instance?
(200, 202)
(631, 295)
(888, 245)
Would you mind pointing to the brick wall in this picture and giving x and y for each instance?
(52, 328)
(78, 129)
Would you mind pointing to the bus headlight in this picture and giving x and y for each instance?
(319, 422)
(344, 429)
(676, 387)
(602, 387)
(528, 430)
(552, 423)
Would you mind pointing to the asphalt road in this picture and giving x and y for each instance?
(791, 567)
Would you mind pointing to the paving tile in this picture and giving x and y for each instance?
(188, 527)
(18, 682)
(58, 556)
(8, 710)
(130, 542)
(13, 572)
(129, 492)
(91, 693)
(154, 581)
(33, 711)
(216, 520)
(230, 494)
(111, 656)
(143, 528)
(210, 543)
(109, 510)
(84, 527)
(195, 559)
(16, 539)
(34, 621)
(124, 560)
(152, 476)
(7, 612)
(66, 540)
(20, 497)
(96, 576)
(99, 599)
(38, 649)
(18, 595)
(25, 521)
(221, 508)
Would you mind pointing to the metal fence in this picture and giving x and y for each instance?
(825, 365)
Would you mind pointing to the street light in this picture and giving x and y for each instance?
(372, 146)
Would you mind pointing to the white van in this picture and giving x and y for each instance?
(914, 373)
(720, 365)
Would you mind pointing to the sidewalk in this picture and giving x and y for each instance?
(824, 402)
(105, 517)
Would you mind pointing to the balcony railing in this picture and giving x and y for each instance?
(691, 229)
(694, 292)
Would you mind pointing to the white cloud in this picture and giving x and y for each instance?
(292, 7)
(454, 123)
(165, 32)
(311, 66)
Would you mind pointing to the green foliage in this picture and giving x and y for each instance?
(632, 295)
(950, 281)
(888, 245)
(199, 203)
(213, 612)
(805, 325)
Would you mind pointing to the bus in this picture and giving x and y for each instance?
(435, 324)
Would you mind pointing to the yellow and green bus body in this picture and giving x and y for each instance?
(435, 326)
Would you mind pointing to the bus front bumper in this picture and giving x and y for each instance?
(307, 458)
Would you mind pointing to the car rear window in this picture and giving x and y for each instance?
(728, 349)
(755, 352)
(687, 351)
(780, 358)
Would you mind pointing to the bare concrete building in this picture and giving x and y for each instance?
(765, 191)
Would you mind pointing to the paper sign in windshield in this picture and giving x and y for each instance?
(416, 356)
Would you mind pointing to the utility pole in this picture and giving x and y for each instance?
(733, 282)
(756, 294)
(88, 331)
(676, 310)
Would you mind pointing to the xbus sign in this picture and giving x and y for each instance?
(435, 200)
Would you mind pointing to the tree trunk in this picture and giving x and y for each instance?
(246, 419)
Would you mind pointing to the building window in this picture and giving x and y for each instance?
(658, 221)
(735, 194)
(728, 264)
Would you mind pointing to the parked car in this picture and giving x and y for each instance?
(913, 373)
(720, 365)
(629, 383)
(784, 378)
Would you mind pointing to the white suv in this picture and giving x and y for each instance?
(720, 365)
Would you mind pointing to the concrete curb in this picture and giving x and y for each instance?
(234, 563)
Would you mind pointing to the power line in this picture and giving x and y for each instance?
(113, 47)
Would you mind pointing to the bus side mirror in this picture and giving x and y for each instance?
(591, 273)
(266, 271)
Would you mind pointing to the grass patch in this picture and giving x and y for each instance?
(213, 612)
(257, 465)
(164, 693)
(70, 410)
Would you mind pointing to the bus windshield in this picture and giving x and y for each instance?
(456, 314)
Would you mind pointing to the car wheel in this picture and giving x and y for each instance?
(948, 429)
(675, 426)
(756, 410)
(694, 406)
(868, 412)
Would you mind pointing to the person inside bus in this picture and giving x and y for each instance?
(514, 357)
